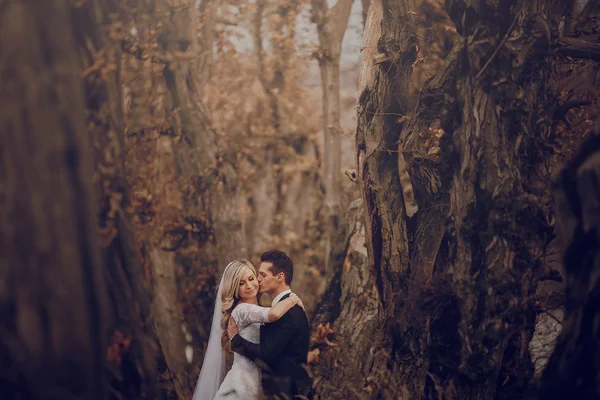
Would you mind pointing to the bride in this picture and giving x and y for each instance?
(237, 297)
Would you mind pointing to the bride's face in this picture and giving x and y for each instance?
(248, 285)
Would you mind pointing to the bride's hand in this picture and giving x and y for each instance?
(297, 300)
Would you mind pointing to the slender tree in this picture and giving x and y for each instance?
(331, 25)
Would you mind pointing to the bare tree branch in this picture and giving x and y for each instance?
(138, 53)
(591, 9)
(586, 48)
(338, 18)
(331, 22)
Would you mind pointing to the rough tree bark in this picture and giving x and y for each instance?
(457, 217)
(331, 25)
(573, 368)
(350, 298)
(52, 293)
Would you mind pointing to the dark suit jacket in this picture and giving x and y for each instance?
(282, 353)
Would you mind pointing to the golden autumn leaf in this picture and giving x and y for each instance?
(313, 356)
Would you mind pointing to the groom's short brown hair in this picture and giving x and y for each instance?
(281, 263)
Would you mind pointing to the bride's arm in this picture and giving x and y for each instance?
(245, 313)
(279, 309)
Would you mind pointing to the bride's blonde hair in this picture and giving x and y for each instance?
(229, 293)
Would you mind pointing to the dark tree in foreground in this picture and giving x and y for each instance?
(574, 368)
(72, 297)
(51, 290)
(458, 212)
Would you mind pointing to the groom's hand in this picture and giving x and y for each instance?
(232, 328)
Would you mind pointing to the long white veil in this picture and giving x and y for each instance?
(213, 367)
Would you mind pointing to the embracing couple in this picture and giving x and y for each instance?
(270, 343)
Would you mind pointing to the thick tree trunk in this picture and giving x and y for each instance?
(457, 218)
(51, 290)
(573, 368)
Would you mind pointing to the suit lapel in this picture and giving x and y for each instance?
(285, 297)
(268, 331)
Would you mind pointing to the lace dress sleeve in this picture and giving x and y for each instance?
(245, 314)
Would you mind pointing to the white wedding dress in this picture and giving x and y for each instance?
(243, 379)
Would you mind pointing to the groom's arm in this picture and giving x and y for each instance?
(247, 349)
(266, 350)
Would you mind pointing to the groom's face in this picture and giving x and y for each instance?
(267, 281)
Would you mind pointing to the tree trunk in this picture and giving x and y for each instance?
(457, 219)
(331, 26)
(132, 342)
(365, 10)
(346, 316)
(188, 205)
(207, 20)
(52, 291)
(332, 160)
(573, 368)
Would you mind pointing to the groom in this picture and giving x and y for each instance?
(284, 343)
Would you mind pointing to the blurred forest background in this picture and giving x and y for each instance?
(417, 159)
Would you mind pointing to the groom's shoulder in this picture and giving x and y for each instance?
(298, 314)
